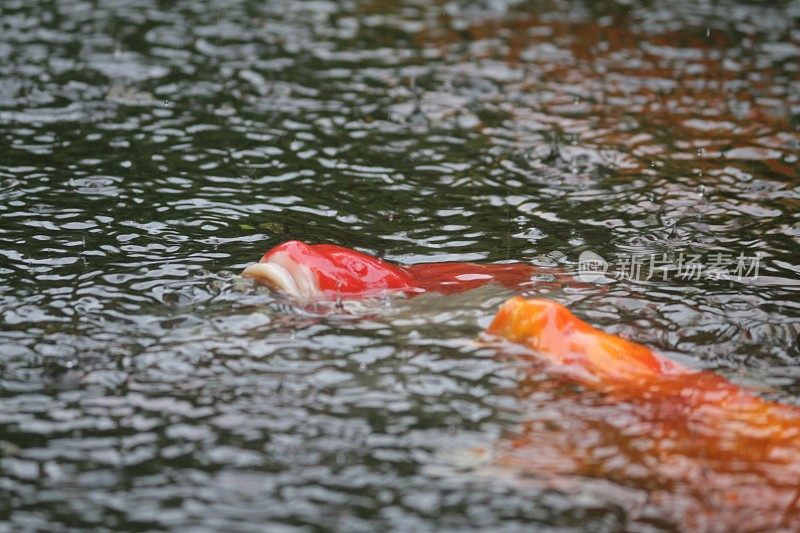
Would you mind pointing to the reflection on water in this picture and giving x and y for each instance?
(149, 151)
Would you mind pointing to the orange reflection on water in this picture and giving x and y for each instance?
(661, 94)
(692, 447)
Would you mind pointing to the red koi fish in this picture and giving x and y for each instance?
(325, 270)
(712, 455)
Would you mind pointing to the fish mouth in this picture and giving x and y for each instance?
(284, 274)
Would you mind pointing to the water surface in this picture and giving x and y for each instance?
(149, 151)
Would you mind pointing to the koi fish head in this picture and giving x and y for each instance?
(565, 340)
(326, 270)
(531, 321)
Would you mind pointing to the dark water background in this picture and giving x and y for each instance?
(149, 150)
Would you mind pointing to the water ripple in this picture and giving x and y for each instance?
(149, 152)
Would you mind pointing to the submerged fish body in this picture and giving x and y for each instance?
(325, 270)
(710, 453)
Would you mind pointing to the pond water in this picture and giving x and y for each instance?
(149, 151)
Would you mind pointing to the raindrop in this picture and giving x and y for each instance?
(534, 233)
(96, 185)
(701, 152)
(339, 304)
(9, 183)
(544, 261)
(673, 234)
(701, 190)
